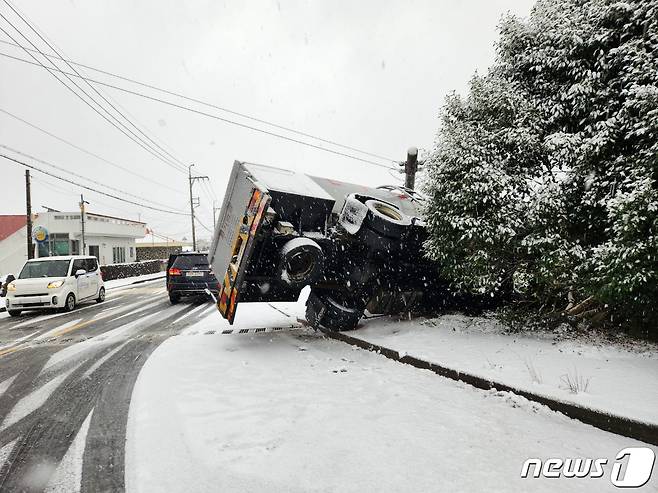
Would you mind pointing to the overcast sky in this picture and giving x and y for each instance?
(370, 74)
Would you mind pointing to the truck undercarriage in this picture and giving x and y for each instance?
(358, 248)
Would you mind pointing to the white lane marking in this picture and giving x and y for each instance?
(34, 400)
(6, 451)
(18, 341)
(5, 385)
(102, 360)
(68, 475)
(189, 313)
(45, 335)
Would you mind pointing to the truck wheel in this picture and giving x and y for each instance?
(101, 296)
(14, 313)
(323, 311)
(174, 298)
(386, 219)
(301, 263)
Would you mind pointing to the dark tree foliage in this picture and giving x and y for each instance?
(544, 177)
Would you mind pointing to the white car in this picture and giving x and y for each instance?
(55, 282)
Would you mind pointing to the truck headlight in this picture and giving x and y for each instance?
(11, 287)
(55, 284)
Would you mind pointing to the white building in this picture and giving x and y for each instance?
(110, 239)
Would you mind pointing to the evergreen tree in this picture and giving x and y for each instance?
(546, 174)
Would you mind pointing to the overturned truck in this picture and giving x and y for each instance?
(358, 248)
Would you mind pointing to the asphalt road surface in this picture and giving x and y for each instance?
(56, 368)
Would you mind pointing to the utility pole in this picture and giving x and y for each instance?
(28, 213)
(194, 203)
(410, 168)
(82, 221)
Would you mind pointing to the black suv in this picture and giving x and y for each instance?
(189, 274)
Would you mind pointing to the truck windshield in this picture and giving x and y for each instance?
(190, 262)
(45, 268)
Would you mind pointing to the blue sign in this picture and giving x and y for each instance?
(40, 234)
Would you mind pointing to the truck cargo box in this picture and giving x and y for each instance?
(357, 247)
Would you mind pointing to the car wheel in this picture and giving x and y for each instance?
(174, 298)
(324, 311)
(14, 313)
(101, 296)
(70, 303)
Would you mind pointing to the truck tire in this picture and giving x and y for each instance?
(301, 262)
(14, 313)
(386, 219)
(324, 312)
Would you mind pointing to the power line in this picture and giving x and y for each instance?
(31, 166)
(69, 192)
(224, 109)
(75, 146)
(59, 168)
(28, 24)
(122, 127)
(204, 226)
(209, 115)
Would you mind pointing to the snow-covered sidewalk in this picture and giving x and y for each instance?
(613, 377)
(128, 281)
(293, 411)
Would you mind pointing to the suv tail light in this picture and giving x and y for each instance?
(174, 272)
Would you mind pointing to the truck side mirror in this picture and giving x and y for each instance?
(80, 272)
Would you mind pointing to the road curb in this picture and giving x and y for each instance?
(619, 425)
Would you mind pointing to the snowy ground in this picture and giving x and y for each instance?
(293, 411)
(620, 379)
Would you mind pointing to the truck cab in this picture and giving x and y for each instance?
(358, 248)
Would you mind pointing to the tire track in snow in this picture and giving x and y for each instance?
(190, 313)
(102, 380)
(68, 475)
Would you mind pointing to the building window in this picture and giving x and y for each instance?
(132, 252)
(57, 244)
(118, 255)
(75, 247)
(94, 250)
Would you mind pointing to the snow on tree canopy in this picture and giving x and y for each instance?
(544, 178)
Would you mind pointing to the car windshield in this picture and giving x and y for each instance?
(189, 262)
(45, 268)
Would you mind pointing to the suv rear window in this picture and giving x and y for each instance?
(191, 262)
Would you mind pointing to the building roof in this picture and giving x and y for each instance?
(113, 217)
(9, 224)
